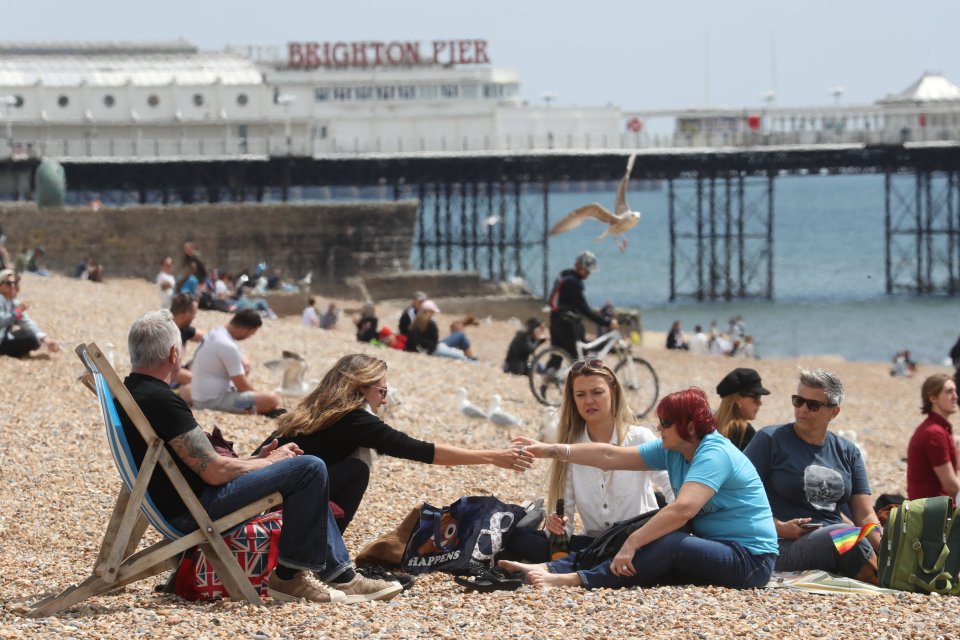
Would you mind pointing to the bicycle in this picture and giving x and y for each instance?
(638, 378)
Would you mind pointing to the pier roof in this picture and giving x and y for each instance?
(931, 87)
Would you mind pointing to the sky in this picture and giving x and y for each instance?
(636, 54)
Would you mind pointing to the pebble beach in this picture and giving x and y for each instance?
(59, 485)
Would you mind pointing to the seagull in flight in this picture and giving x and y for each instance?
(620, 221)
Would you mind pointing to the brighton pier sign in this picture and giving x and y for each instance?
(310, 55)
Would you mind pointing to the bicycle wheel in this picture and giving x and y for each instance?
(640, 384)
(548, 371)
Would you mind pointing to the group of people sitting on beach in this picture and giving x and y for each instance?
(738, 503)
(733, 342)
(417, 331)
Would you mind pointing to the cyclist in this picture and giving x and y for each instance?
(568, 307)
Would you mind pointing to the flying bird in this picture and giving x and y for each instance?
(620, 221)
(467, 408)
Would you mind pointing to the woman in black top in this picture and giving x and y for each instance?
(337, 418)
(524, 343)
(424, 334)
(740, 392)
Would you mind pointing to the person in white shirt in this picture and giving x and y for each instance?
(699, 343)
(593, 410)
(220, 371)
(166, 281)
(310, 317)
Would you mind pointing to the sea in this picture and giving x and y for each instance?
(828, 268)
(828, 274)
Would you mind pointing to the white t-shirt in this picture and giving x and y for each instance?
(216, 360)
(604, 497)
(310, 317)
(166, 283)
(700, 344)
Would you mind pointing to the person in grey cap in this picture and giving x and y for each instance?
(19, 335)
(411, 312)
(740, 392)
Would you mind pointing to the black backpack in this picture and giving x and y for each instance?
(607, 544)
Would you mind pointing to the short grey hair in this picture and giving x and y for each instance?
(822, 379)
(150, 339)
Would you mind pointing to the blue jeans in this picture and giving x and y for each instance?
(700, 561)
(816, 550)
(309, 538)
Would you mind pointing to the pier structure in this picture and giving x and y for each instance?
(490, 212)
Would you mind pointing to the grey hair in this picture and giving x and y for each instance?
(150, 339)
(822, 379)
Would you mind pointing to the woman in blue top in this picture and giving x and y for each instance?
(734, 543)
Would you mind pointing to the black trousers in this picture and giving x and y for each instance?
(19, 342)
(348, 482)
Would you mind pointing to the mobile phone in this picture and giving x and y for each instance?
(811, 525)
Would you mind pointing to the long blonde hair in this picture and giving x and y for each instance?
(572, 425)
(421, 320)
(730, 422)
(340, 391)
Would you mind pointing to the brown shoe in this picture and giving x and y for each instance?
(362, 589)
(868, 572)
(303, 585)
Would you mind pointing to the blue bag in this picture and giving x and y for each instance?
(472, 529)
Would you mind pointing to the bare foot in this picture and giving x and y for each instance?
(525, 569)
(547, 579)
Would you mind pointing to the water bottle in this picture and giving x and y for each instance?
(559, 545)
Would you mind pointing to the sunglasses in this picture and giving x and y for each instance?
(580, 365)
(382, 390)
(11, 283)
(812, 405)
(665, 423)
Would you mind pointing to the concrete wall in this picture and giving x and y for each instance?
(334, 241)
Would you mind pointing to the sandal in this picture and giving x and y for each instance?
(486, 580)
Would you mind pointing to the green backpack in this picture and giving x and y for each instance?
(920, 548)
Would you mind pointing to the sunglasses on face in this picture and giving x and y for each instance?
(382, 390)
(812, 405)
(665, 424)
(580, 365)
(11, 283)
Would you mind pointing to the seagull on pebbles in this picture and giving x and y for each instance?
(467, 408)
(501, 418)
(620, 221)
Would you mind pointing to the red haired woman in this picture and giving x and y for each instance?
(719, 494)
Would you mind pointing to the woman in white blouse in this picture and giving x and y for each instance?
(593, 410)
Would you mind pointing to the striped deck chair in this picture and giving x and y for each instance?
(119, 563)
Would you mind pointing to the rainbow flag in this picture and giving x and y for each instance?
(847, 538)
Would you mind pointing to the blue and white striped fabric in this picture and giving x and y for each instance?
(122, 456)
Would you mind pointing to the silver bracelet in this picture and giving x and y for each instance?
(566, 453)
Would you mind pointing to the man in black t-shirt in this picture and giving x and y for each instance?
(313, 562)
(568, 307)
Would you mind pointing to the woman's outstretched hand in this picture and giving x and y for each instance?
(534, 448)
(515, 458)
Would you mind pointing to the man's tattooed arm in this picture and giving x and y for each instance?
(195, 450)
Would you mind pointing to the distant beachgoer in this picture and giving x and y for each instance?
(737, 328)
(406, 318)
(721, 346)
(19, 335)
(903, 365)
(423, 335)
(699, 343)
(191, 258)
(166, 281)
(675, 339)
(367, 323)
(524, 343)
(568, 307)
(746, 348)
(310, 317)
(35, 263)
(457, 344)
(329, 318)
(932, 453)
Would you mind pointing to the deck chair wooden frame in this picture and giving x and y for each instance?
(119, 563)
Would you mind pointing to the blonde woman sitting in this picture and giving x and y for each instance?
(593, 410)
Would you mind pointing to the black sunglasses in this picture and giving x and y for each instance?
(12, 283)
(665, 423)
(579, 365)
(813, 405)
